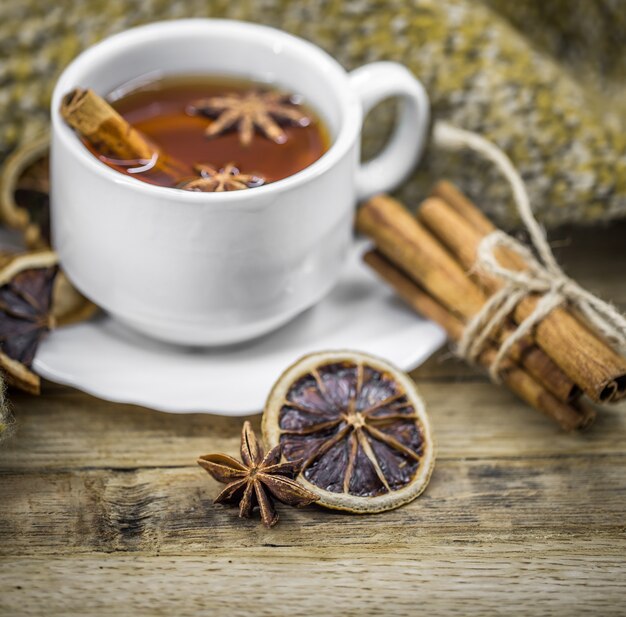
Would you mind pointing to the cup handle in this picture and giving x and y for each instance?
(373, 83)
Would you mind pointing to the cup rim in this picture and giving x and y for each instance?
(350, 107)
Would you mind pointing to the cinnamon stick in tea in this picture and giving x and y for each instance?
(597, 369)
(95, 120)
(569, 416)
(401, 238)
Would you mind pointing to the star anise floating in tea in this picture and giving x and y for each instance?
(34, 297)
(359, 426)
(216, 180)
(156, 133)
(258, 480)
(251, 111)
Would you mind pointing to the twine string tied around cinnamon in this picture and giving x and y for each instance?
(542, 276)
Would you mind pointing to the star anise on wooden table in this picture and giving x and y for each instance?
(257, 480)
(249, 111)
(217, 180)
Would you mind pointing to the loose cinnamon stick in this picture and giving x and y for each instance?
(415, 250)
(568, 416)
(112, 136)
(597, 369)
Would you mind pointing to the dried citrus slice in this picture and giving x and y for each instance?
(35, 297)
(360, 427)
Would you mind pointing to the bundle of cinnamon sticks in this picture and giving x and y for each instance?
(429, 260)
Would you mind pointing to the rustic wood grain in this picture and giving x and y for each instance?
(66, 430)
(104, 512)
(171, 511)
(529, 578)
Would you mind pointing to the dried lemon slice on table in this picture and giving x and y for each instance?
(360, 426)
(35, 297)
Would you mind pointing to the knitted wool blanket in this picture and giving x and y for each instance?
(542, 80)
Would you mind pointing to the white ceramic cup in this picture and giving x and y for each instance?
(218, 268)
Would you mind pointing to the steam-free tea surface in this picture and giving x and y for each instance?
(163, 111)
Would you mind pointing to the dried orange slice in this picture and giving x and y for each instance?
(35, 297)
(360, 427)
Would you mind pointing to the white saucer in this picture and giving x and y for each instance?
(106, 359)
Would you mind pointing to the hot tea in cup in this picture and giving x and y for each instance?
(224, 133)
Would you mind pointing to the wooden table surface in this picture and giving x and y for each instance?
(103, 509)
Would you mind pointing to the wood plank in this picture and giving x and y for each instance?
(445, 367)
(63, 429)
(536, 578)
(170, 511)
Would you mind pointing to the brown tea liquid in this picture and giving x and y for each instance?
(160, 110)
